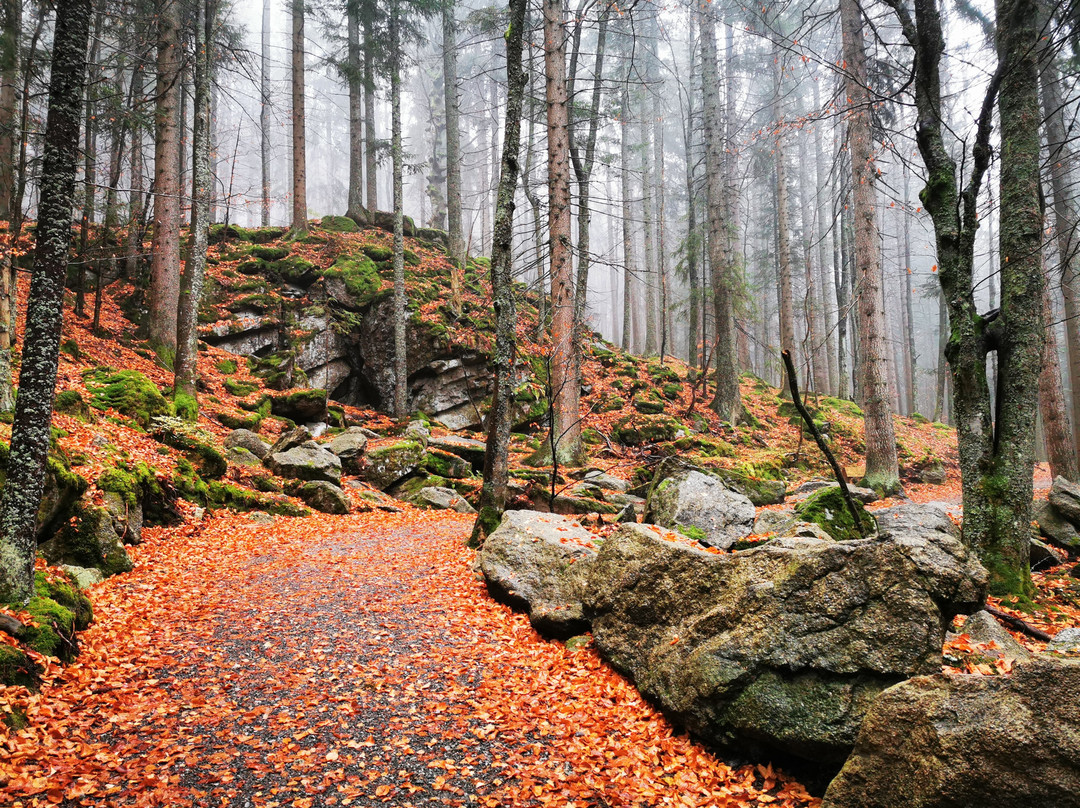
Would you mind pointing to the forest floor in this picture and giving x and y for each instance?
(342, 661)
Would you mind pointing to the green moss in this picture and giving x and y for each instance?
(17, 670)
(377, 253)
(128, 392)
(671, 391)
(67, 593)
(919, 418)
(359, 274)
(194, 442)
(692, 532)
(648, 403)
(612, 404)
(293, 269)
(411, 258)
(240, 389)
(186, 406)
(636, 430)
(842, 406)
(132, 483)
(71, 348)
(269, 253)
(227, 366)
(71, 402)
(234, 421)
(828, 509)
(486, 523)
(265, 235)
(338, 224)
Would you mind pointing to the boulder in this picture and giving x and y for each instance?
(1055, 527)
(446, 464)
(827, 508)
(1043, 556)
(605, 481)
(302, 406)
(627, 514)
(324, 496)
(758, 490)
(934, 474)
(540, 562)
(1067, 641)
(384, 465)
(858, 493)
(437, 497)
(246, 439)
(1065, 496)
(781, 647)
(90, 541)
(126, 515)
(84, 577)
(690, 499)
(290, 439)
(778, 522)
(308, 461)
(953, 740)
(240, 456)
(918, 520)
(468, 448)
(982, 627)
(349, 446)
(418, 431)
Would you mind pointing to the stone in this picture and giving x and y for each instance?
(385, 464)
(758, 490)
(828, 509)
(540, 562)
(127, 517)
(349, 446)
(302, 406)
(1043, 556)
(627, 514)
(439, 498)
(469, 449)
(246, 439)
(695, 500)
(1054, 526)
(418, 431)
(85, 577)
(606, 481)
(952, 740)
(778, 522)
(1067, 641)
(982, 627)
(934, 474)
(446, 464)
(1065, 496)
(90, 541)
(324, 496)
(290, 439)
(919, 520)
(260, 518)
(240, 456)
(309, 461)
(782, 647)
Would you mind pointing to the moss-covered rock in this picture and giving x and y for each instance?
(196, 443)
(71, 402)
(239, 388)
(62, 490)
(269, 253)
(352, 280)
(338, 224)
(648, 403)
(377, 252)
(301, 406)
(384, 465)
(637, 430)
(17, 669)
(446, 464)
(128, 392)
(827, 509)
(90, 540)
(324, 496)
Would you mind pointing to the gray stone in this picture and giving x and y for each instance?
(316, 428)
(982, 627)
(240, 456)
(324, 496)
(783, 646)
(246, 439)
(89, 541)
(1043, 556)
(934, 474)
(919, 520)
(384, 465)
(85, 577)
(309, 461)
(349, 446)
(127, 518)
(1054, 526)
(439, 498)
(260, 518)
(540, 562)
(1065, 496)
(959, 740)
(693, 499)
(627, 514)
(290, 439)
(606, 481)
(778, 522)
(1066, 640)
(418, 431)
(469, 449)
(859, 494)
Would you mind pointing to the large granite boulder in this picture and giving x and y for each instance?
(956, 740)
(540, 562)
(349, 446)
(1065, 496)
(440, 498)
(308, 461)
(385, 464)
(1054, 526)
(781, 647)
(246, 439)
(690, 499)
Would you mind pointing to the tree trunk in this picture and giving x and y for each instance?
(90, 136)
(164, 291)
(496, 457)
(691, 244)
(185, 377)
(10, 42)
(627, 219)
(826, 271)
(453, 151)
(264, 113)
(648, 269)
(44, 315)
(882, 472)
(135, 195)
(1055, 419)
(371, 143)
(401, 381)
(942, 360)
(299, 120)
(564, 440)
(912, 353)
(355, 205)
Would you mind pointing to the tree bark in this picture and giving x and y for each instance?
(299, 121)
(453, 149)
(493, 494)
(355, 205)
(264, 113)
(371, 143)
(627, 219)
(135, 231)
(401, 381)
(882, 472)
(44, 316)
(164, 291)
(10, 43)
(1055, 419)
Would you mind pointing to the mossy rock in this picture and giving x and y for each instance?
(842, 406)
(827, 509)
(240, 389)
(260, 303)
(269, 253)
(89, 540)
(612, 404)
(128, 392)
(359, 279)
(637, 430)
(264, 235)
(195, 443)
(17, 669)
(648, 403)
(63, 589)
(759, 491)
(671, 391)
(445, 464)
(411, 258)
(132, 483)
(71, 402)
(295, 270)
(235, 421)
(338, 224)
(226, 366)
(662, 373)
(301, 406)
(378, 253)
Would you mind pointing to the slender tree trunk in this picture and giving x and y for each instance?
(1055, 419)
(264, 113)
(942, 360)
(826, 272)
(882, 472)
(691, 244)
(44, 315)
(10, 43)
(564, 439)
(164, 291)
(648, 269)
(401, 380)
(355, 209)
(451, 99)
(912, 351)
(493, 494)
(185, 377)
(842, 273)
(135, 194)
(371, 143)
(627, 220)
(299, 121)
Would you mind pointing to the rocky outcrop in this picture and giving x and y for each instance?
(1065, 497)
(1054, 526)
(780, 647)
(308, 461)
(540, 562)
(952, 740)
(301, 406)
(690, 499)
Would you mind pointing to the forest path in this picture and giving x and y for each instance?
(343, 661)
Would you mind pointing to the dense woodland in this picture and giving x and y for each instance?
(586, 233)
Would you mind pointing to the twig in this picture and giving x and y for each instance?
(1018, 624)
(796, 399)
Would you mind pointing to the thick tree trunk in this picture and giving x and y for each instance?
(44, 315)
(564, 440)
(264, 113)
(164, 291)
(401, 381)
(185, 377)
(493, 494)
(299, 225)
(353, 68)
(882, 472)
